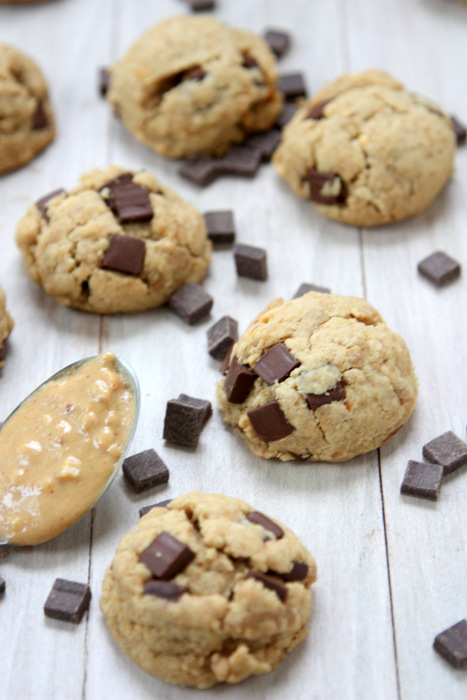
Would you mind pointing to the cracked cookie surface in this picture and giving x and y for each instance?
(192, 85)
(353, 388)
(26, 118)
(391, 151)
(67, 240)
(226, 625)
(6, 326)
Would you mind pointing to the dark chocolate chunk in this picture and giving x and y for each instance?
(439, 268)
(278, 41)
(166, 556)
(304, 288)
(200, 5)
(40, 204)
(459, 130)
(104, 81)
(266, 142)
(201, 170)
(251, 262)
(131, 203)
(288, 111)
(447, 450)
(276, 364)
(160, 504)
(164, 589)
(337, 393)
(269, 422)
(326, 188)
(240, 160)
(298, 572)
(221, 336)
(270, 582)
(238, 382)
(67, 601)
(185, 418)
(249, 62)
(259, 519)
(191, 303)
(124, 254)
(196, 74)
(423, 480)
(123, 179)
(3, 351)
(292, 85)
(145, 470)
(224, 368)
(220, 226)
(2, 585)
(317, 111)
(452, 644)
(40, 119)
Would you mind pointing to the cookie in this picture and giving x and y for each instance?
(6, 325)
(191, 85)
(120, 241)
(208, 590)
(366, 151)
(318, 378)
(27, 122)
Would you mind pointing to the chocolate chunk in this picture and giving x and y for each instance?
(224, 368)
(276, 364)
(304, 288)
(452, 644)
(2, 585)
(123, 179)
(317, 111)
(240, 160)
(201, 5)
(270, 582)
(196, 74)
(249, 62)
(166, 556)
(251, 262)
(337, 393)
(447, 450)
(185, 418)
(298, 572)
(202, 170)
(269, 422)
(164, 589)
(220, 226)
(160, 504)
(439, 268)
(40, 204)
(292, 85)
(104, 81)
(132, 203)
(3, 352)
(67, 601)
(288, 111)
(423, 480)
(266, 142)
(124, 254)
(326, 188)
(191, 303)
(259, 519)
(459, 130)
(40, 119)
(221, 336)
(145, 470)
(278, 41)
(238, 382)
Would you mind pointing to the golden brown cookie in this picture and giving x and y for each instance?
(6, 325)
(208, 590)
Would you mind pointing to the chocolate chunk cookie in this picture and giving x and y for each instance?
(6, 325)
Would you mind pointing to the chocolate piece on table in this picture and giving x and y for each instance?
(292, 85)
(184, 420)
(124, 254)
(298, 572)
(104, 81)
(220, 226)
(439, 268)
(221, 336)
(67, 601)
(2, 585)
(145, 470)
(164, 589)
(201, 405)
(166, 556)
(317, 111)
(131, 203)
(276, 364)
(200, 5)
(40, 204)
(251, 262)
(160, 504)
(270, 582)
(451, 644)
(423, 480)
(238, 382)
(269, 422)
(201, 170)
(191, 303)
(224, 368)
(266, 142)
(288, 111)
(326, 188)
(278, 41)
(337, 393)
(460, 131)
(240, 160)
(447, 450)
(39, 118)
(3, 353)
(259, 519)
(305, 287)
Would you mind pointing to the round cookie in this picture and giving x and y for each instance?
(232, 610)
(366, 151)
(192, 85)
(27, 123)
(318, 378)
(6, 325)
(118, 242)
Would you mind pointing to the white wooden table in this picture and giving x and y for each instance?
(392, 569)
